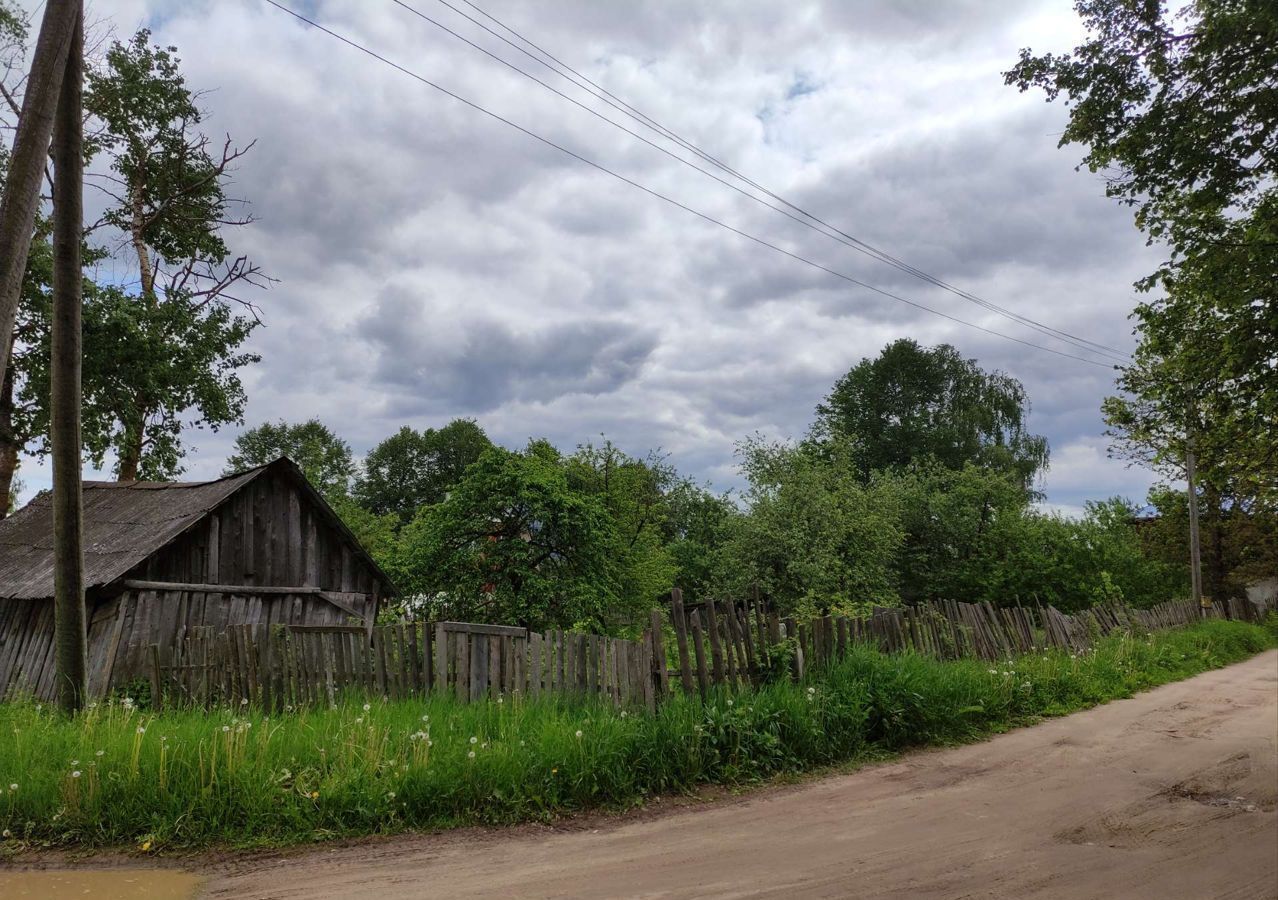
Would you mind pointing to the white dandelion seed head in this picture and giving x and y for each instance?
(13, 787)
(729, 701)
(470, 754)
(75, 773)
(102, 752)
(6, 834)
(141, 729)
(226, 728)
(367, 707)
(474, 740)
(578, 732)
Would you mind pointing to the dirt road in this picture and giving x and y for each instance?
(1168, 795)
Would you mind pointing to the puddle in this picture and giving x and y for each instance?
(99, 884)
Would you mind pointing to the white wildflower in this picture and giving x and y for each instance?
(75, 774)
(367, 707)
(13, 787)
(474, 740)
(471, 754)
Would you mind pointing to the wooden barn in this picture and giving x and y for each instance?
(261, 547)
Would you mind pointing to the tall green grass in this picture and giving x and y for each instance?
(116, 775)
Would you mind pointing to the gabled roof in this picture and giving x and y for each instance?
(125, 523)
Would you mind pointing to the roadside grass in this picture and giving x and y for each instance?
(120, 776)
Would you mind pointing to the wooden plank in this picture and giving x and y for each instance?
(472, 628)
(661, 672)
(716, 650)
(441, 659)
(698, 647)
(679, 617)
(534, 664)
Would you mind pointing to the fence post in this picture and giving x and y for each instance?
(157, 685)
(681, 639)
(660, 672)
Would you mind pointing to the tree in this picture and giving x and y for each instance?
(320, 454)
(1179, 111)
(634, 494)
(26, 164)
(167, 188)
(817, 539)
(411, 469)
(514, 543)
(913, 403)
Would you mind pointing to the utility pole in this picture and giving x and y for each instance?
(70, 653)
(1195, 556)
(26, 163)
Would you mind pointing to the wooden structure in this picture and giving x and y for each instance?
(314, 664)
(161, 559)
(730, 643)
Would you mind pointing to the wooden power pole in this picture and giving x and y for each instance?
(1195, 554)
(64, 429)
(26, 163)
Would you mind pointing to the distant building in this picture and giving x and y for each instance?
(261, 547)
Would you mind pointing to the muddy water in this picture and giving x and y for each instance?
(98, 884)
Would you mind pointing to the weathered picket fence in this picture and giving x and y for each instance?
(726, 643)
(278, 667)
(736, 642)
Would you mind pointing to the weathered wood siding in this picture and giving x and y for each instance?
(266, 534)
(123, 628)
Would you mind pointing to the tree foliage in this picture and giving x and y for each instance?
(514, 542)
(1179, 112)
(322, 456)
(912, 403)
(412, 469)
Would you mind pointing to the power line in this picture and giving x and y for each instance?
(647, 190)
(601, 93)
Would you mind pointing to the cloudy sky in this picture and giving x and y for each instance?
(434, 262)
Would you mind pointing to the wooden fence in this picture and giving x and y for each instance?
(279, 667)
(719, 643)
(737, 642)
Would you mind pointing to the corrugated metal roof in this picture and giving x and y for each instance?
(124, 523)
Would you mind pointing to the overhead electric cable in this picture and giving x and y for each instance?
(647, 190)
(576, 78)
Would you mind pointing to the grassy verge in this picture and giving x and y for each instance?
(120, 776)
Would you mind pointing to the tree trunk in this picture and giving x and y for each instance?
(8, 442)
(130, 454)
(1215, 520)
(71, 648)
(26, 163)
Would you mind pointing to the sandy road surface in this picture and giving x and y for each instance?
(1168, 795)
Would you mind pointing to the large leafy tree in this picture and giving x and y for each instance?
(411, 469)
(635, 494)
(323, 456)
(817, 539)
(1179, 112)
(514, 542)
(912, 403)
(183, 320)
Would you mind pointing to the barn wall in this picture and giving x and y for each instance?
(268, 534)
(122, 629)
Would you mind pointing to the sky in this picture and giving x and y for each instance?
(433, 262)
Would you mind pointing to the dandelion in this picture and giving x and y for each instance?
(226, 728)
(314, 795)
(500, 700)
(100, 753)
(75, 762)
(359, 721)
(992, 671)
(811, 690)
(244, 701)
(390, 795)
(729, 701)
(6, 834)
(93, 705)
(367, 707)
(474, 740)
(521, 743)
(470, 754)
(13, 787)
(425, 718)
(141, 730)
(146, 845)
(579, 733)
(554, 771)
(75, 774)
(623, 714)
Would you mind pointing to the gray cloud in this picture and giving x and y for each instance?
(434, 263)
